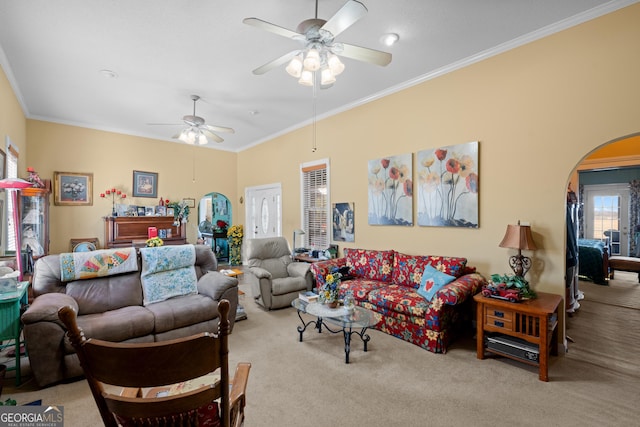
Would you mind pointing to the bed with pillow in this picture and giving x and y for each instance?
(122, 295)
(593, 260)
(425, 300)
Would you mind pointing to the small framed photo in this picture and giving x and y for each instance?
(73, 189)
(162, 233)
(145, 184)
(149, 211)
(190, 202)
(141, 211)
(161, 211)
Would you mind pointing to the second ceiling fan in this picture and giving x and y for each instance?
(197, 131)
(321, 51)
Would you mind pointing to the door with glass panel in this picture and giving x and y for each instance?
(263, 211)
(607, 215)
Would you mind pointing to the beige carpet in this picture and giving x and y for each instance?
(623, 291)
(395, 383)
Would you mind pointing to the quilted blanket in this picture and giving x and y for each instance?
(167, 272)
(104, 262)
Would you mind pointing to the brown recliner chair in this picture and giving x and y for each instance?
(275, 279)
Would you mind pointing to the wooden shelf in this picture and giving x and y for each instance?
(125, 231)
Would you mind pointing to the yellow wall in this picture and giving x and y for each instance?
(536, 110)
(112, 158)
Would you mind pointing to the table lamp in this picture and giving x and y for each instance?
(296, 232)
(519, 237)
(12, 186)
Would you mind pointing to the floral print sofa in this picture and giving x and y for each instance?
(387, 282)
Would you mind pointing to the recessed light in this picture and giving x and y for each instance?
(109, 74)
(254, 112)
(389, 39)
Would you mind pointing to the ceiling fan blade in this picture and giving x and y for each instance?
(351, 12)
(218, 128)
(275, 63)
(211, 135)
(365, 54)
(272, 28)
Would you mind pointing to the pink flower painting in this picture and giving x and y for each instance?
(391, 190)
(448, 186)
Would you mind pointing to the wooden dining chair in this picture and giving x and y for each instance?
(148, 375)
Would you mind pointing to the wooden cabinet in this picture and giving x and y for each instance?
(34, 220)
(122, 231)
(532, 321)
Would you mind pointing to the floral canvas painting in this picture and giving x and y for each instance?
(391, 190)
(448, 186)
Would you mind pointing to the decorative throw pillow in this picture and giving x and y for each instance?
(432, 281)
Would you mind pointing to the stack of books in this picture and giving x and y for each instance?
(308, 296)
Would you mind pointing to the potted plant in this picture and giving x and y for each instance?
(512, 281)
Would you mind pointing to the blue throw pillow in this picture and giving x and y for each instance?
(432, 281)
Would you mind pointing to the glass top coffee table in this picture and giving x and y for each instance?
(340, 319)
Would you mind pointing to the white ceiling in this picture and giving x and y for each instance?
(163, 51)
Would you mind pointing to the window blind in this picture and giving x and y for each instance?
(315, 205)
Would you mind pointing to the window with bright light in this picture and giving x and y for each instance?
(315, 203)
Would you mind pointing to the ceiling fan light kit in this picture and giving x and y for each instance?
(320, 52)
(197, 131)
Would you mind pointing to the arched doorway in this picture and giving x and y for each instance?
(214, 218)
(597, 324)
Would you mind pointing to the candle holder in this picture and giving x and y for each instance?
(115, 194)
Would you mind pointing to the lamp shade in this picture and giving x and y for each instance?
(518, 237)
(14, 183)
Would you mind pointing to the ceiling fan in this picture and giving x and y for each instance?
(321, 51)
(197, 131)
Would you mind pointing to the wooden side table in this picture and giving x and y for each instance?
(10, 323)
(534, 321)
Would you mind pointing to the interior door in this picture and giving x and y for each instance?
(607, 215)
(263, 211)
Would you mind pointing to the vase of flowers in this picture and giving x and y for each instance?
(154, 242)
(234, 238)
(329, 291)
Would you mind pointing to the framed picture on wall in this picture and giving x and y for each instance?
(145, 184)
(73, 189)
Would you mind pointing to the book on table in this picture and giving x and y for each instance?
(308, 296)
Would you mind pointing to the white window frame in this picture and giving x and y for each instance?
(12, 172)
(317, 236)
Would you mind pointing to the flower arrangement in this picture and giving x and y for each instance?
(222, 225)
(234, 235)
(154, 242)
(180, 212)
(115, 194)
(329, 291)
(234, 238)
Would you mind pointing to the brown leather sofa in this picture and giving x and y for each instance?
(111, 308)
